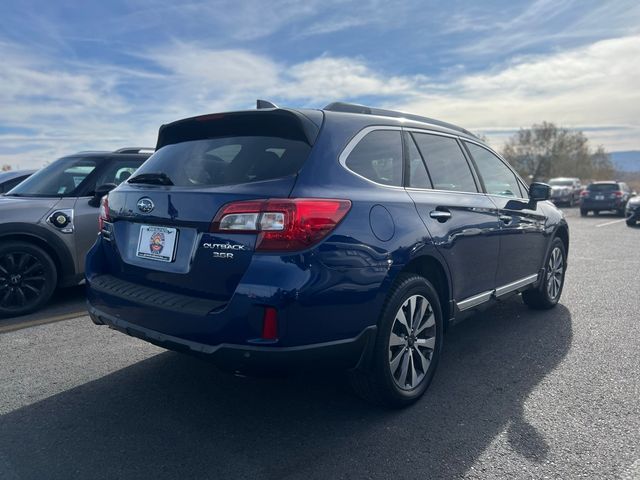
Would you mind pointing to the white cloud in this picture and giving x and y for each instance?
(585, 87)
(53, 109)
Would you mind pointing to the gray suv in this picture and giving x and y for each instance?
(49, 221)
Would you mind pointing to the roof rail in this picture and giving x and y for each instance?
(135, 150)
(363, 109)
(260, 104)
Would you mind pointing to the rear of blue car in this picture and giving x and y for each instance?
(205, 249)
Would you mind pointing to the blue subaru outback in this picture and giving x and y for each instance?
(345, 237)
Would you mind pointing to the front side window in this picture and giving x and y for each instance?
(378, 157)
(62, 178)
(447, 166)
(498, 178)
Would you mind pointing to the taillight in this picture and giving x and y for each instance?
(104, 212)
(282, 224)
(584, 193)
(618, 193)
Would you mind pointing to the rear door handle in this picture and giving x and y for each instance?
(506, 219)
(440, 215)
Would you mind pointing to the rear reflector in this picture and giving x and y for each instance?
(287, 224)
(270, 324)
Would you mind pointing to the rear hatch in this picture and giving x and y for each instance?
(602, 192)
(159, 222)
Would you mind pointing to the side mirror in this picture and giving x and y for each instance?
(539, 192)
(100, 192)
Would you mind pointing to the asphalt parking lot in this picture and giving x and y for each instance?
(518, 394)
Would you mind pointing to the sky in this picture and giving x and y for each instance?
(91, 75)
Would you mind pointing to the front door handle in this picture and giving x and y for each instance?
(506, 219)
(440, 215)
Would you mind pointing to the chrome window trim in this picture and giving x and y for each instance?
(483, 297)
(342, 159)
(355, 141)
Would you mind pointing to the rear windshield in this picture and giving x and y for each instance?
(561, 183)
(227, 160)
(603, 187)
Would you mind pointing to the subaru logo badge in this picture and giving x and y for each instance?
(145, 205)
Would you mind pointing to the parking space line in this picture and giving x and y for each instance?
(41, 321)
(611, 222)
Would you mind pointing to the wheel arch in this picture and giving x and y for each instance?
(45, 240)
(435, 272)
(562, 232)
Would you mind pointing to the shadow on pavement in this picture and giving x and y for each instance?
(172, 416)
(66, 302)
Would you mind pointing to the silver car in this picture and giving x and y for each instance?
(49, 221)
(565, 190)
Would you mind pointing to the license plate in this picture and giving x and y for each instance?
(599, 197)
(157, 243)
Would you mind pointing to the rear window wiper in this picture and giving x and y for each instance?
(151, 179)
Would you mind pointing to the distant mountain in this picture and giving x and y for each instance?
(628, 161)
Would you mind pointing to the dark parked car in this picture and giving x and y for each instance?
(565, 191)
(10, 179)
(633, 210)
(346, 237)
(49, 221)
(605, 196)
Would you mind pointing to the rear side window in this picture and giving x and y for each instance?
(378, 157)
(118, 171)
(228, 160)
(447, 166)
(497, 177)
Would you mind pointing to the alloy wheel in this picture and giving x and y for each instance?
(555, 272)
(22, 280)
(412, 342)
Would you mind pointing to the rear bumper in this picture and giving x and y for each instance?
(564, 198)
(612, 204)
(339, 354)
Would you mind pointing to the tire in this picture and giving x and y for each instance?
(596, 212)
(583, 212)
(621, 213)
(631, 223)
(546, 295)
(382, 382)
(28, 278)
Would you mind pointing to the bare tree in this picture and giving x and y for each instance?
(5, 168)
(545, 150)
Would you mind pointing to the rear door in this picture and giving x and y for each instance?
(462, 221)
(522, 224)
(161, 217)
